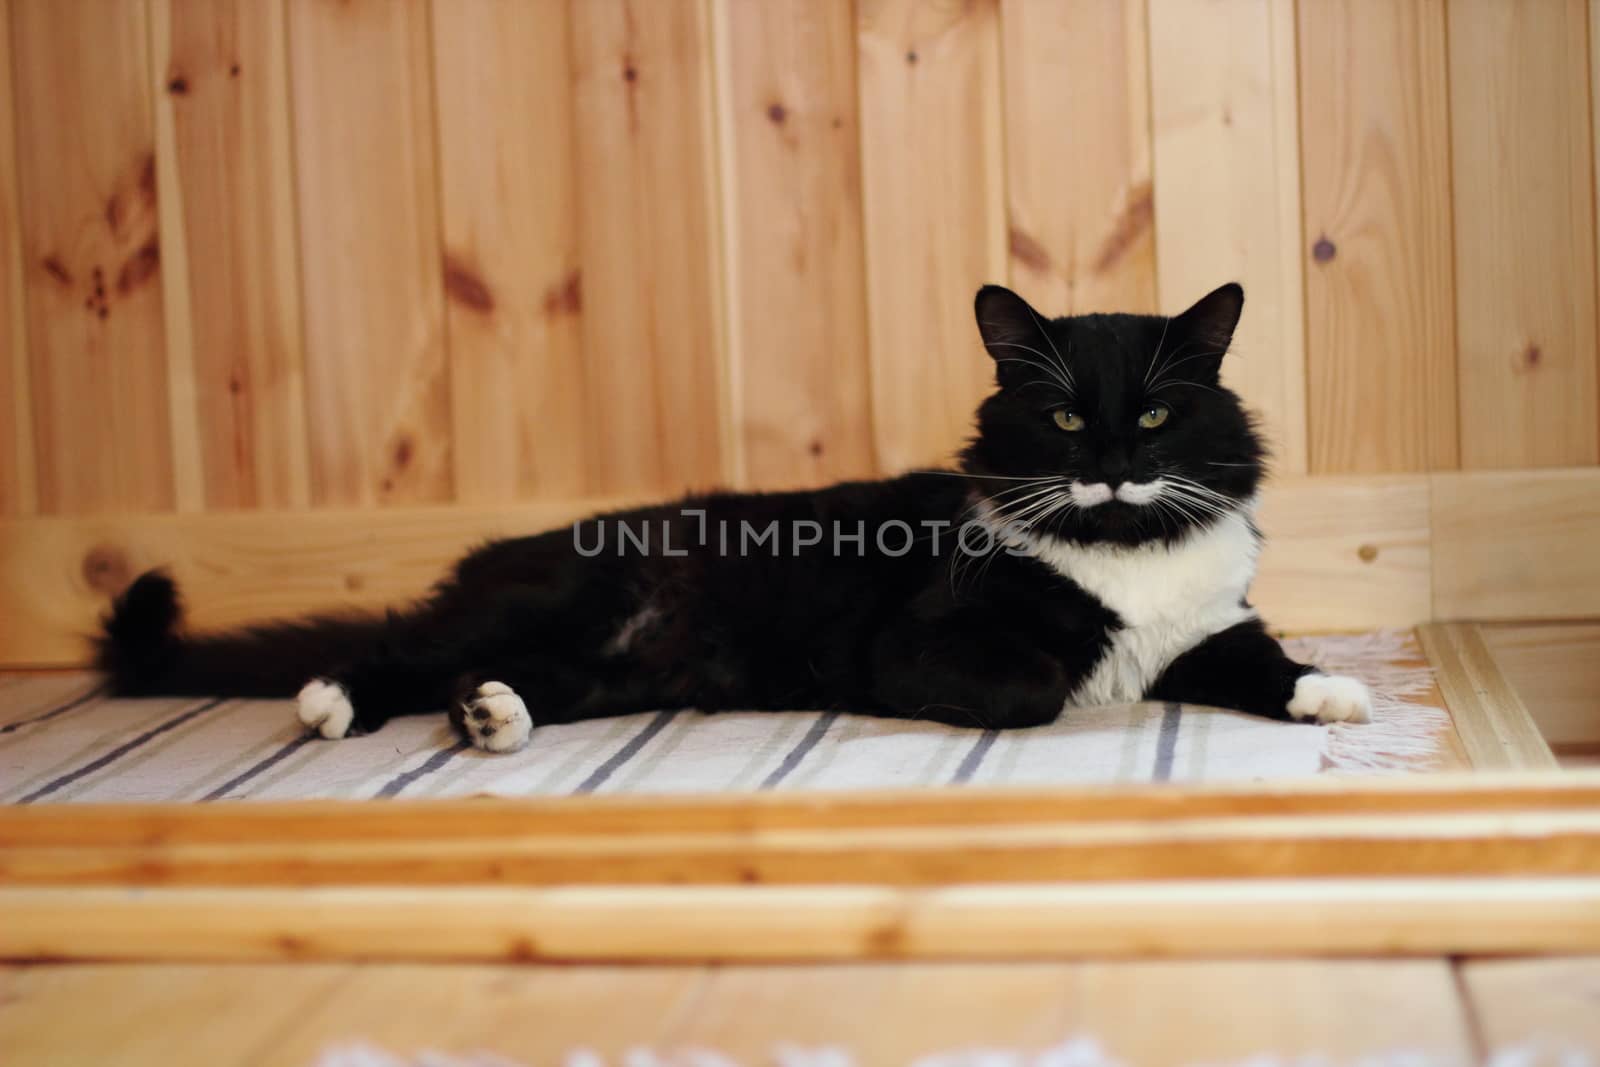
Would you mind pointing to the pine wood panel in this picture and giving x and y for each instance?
(232, 286)
(796, 296)
(1158, 1014)
(1081, 234)
(19, 495)
(377, 374)
(1343, 554)
(1227, 191)
(931, 133)
(1516, 545)
(216, 1009)
(1524, 241)
(876, 1015)
(1380, 313)
(1543, 1004)
(512, 284)
(96, 345)
(1555, 670)
(655, 387)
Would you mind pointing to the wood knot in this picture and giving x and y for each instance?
(178, 85)
(565, 297)
(886, 939)
(1324, 250)
(106, 569)
(778, 114)
(233, 71)
(466, 287)
(815, 448)
(292, 944)
(630, 73)
(1135, 219)
(404, 452)
(140, 267)
(54, 267)
(1026, 250)
(1367, 553)
(523, 950)
(147, 180)
(1531, 356)
(911, 58)
(354, 583)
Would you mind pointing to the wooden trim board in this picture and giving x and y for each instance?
(57, 575)
(915, 839)
(1544, 843)
(1344, 553)
(1516, 544)
(1494, 726)
(312, 821)
(660, 924)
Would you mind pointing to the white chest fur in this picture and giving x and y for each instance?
(1170, 598)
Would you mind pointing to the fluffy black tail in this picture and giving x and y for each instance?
(145, 654)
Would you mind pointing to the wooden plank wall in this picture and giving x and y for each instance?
(298, 254)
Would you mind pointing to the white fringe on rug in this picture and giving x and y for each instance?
(1078, 1052)
(1403, 735)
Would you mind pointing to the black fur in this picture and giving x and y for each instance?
(992, 640)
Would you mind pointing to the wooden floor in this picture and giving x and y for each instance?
(1156, 1013)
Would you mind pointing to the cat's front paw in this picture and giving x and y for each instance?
(495, 718)
(324, 708)
(1330, 698)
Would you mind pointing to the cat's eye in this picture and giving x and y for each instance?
(1069, 421)
(1154, 416)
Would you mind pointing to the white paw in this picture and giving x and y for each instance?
(1330, 698)
(325, 708)
(496, 718)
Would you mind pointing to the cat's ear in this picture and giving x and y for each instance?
(1012, 332)
(1213, 317)
(1206, 329)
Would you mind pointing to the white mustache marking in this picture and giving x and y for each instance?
(1091, 494)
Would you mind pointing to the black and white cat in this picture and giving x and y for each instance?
(1095, 545)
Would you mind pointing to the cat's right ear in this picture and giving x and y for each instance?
(1012, 331)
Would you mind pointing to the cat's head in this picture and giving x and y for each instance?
(1111, 427)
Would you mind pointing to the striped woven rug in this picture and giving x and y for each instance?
(61, 741)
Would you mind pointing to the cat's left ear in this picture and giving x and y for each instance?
(1012, 332)
(1209, 325)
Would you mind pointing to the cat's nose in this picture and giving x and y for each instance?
(1115, 468)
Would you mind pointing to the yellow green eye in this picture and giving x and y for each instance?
(1069, 421)
(1154, 416)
